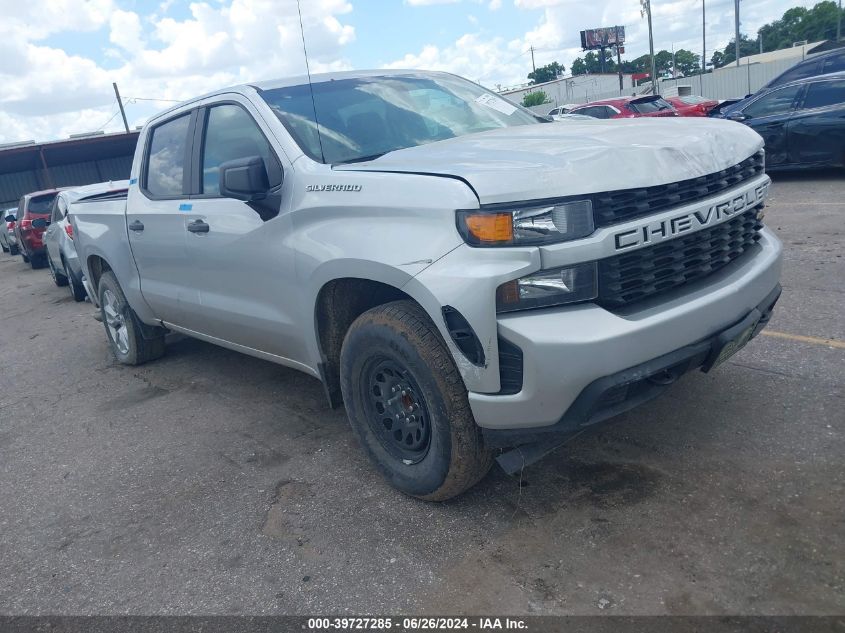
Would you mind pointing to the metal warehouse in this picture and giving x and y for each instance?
(79, 160)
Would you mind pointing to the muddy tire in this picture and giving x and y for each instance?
(408, 405)
(123, 328)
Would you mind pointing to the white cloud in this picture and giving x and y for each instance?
(48, 92)
(423, 3)
(495, 5)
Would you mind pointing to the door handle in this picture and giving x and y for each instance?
(198, 226)
(136, 225)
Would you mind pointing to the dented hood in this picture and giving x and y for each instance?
(576, 157)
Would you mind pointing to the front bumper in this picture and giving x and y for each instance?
(566, 350)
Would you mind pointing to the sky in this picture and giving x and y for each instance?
(58, 58)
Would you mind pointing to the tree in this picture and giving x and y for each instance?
(795, 25)
(687, 63)
(535, 98)
(549, 72)
(728, 56)
(591, 63)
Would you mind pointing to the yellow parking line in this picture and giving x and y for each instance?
(814, 340)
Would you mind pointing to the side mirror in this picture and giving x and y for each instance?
(244, 179)
(737, 116)
(9, 218)
(40, 223)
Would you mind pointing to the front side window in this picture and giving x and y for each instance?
(824, 93)
(776, 102)
(166, 159)
(231, 133)
(364, 117)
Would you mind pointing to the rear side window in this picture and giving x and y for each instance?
(799, 71)
(231, 133)
(833, 64)
(776, 102)
(824, 93)
(647, 106)
(165, 166)
(41, 204)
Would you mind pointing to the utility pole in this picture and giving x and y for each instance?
(533, 67)
(839, 23)
(703, 45)
(736, 27)
(619, 62)
(646, 8)
(120, 103)
(760, 37)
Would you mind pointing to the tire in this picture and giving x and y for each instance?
(38, 261)
(24, 257)
(123, 328)
(5, 248)
(13, 249)
(77, 290)
(434, 451)
(58, 278)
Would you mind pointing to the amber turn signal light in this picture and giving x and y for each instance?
(490, 227)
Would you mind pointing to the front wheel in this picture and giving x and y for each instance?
(408, 405)
(123, 328)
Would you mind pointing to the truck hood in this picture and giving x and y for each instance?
(568, 158)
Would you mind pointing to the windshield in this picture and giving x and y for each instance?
(364, 117)
(41, 204)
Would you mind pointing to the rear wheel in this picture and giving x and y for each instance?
(37, 261)
(5, 248)
(58, 277)
(408, 405)
(24, 257)
(76, 287)
(123, 328)
(13, 249)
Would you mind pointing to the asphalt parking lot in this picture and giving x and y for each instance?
(210, 482)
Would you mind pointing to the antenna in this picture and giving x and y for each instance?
(310, 86)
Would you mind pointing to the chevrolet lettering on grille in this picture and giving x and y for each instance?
(653, 232)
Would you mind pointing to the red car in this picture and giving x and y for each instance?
(627, 108)
(33, 207)
(692, 105)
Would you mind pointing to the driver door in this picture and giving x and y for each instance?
(241, 263)
(769, 116)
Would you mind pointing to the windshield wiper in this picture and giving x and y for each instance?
(361, 159)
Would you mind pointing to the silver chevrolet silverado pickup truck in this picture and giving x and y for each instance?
(470, 280)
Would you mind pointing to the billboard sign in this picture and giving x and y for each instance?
(593, 39)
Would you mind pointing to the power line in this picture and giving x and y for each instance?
(133, 99)
(111, 118)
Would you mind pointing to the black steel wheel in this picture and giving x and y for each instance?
(395, 411)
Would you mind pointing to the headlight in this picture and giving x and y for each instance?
(528, 226)
(545, 288)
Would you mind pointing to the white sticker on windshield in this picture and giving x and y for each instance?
(498, 104)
